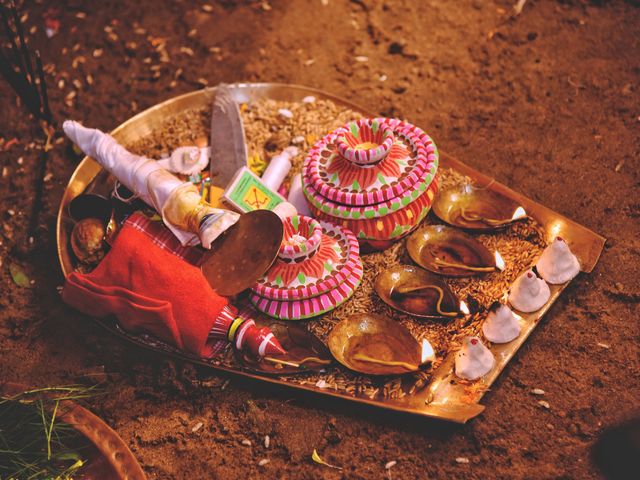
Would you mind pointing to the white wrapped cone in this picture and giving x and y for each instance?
(558, 264)
(473, 360)
(501, 325)
(529, 293)
(190, 219)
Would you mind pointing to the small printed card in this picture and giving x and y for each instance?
(246, 193)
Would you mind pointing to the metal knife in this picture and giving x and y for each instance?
(228, 145)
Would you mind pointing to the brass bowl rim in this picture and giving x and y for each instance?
(339, 355)
(414, 252)
(417, 268)
(439, 198)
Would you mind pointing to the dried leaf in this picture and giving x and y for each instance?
(316, 458)
(19, 277)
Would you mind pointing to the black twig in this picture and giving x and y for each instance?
(15, 80)
(23, 45)
(18, 70)
(12, 38)
(46, 112)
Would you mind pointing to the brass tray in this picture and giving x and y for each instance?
(442, 398)
(108, 456)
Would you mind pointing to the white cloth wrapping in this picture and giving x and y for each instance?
(285, 210)
(154, 185)
(186, 160)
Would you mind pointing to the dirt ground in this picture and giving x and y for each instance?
(546, 102)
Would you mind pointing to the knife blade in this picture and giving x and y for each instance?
(228, 144)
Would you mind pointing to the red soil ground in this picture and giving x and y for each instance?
(546, 102)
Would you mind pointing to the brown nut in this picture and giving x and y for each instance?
(87, 240)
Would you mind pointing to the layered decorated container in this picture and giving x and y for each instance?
(317, 269)
(376, 177)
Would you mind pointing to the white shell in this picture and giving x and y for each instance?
(529, 293)
(473, 360)
(557, 264)
(186, 160)
(501, 325)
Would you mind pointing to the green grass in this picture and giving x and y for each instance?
(34, 444)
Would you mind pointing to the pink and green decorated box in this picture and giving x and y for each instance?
(317, 269)
(376, 177)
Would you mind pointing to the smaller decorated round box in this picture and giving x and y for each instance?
(317, 269)
(376, 177)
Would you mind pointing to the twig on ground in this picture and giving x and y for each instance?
(17, 69)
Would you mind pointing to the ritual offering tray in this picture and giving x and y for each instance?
(368, 182)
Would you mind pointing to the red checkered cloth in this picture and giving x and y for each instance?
(164, 238)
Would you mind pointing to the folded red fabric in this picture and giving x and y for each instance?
(149, 290)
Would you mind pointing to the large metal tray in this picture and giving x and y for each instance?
(442, 398)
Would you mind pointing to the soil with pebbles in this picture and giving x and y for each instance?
(545, 101)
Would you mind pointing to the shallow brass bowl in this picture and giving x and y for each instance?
(90, 205)
(403, 288)
(305, 351)
(448, 251)
(378, 338)
(475, 208)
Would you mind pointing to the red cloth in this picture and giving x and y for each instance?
(150, 290)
